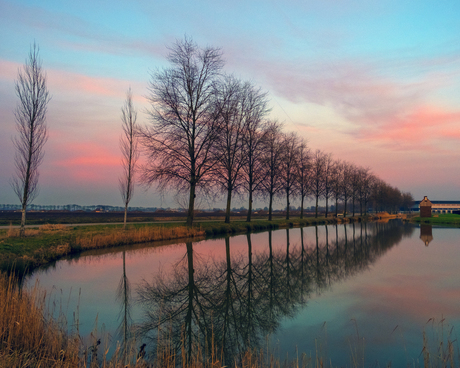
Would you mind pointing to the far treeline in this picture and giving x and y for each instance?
(209, 134)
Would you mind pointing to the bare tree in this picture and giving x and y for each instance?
(273, 152)
(289, 163)
(328, 170)
(184, 125)
(253, 142)
(346, 185)
(364, 185)
(30, 115)
(336, 183)
(228, 151)
(317, 173)
(129, 150)
(303, 174)
(354, 185)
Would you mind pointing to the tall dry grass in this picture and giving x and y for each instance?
(14, 232)
(140, 235)
(27, 338)
(30, 337)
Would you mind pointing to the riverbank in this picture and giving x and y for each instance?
(48, 243)
(441, 219)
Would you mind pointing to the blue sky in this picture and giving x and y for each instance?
(373, 83)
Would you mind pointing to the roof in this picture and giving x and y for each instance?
(425, 202)
(438, 202)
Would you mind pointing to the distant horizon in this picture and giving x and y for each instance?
(259, 207)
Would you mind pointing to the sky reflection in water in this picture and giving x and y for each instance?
(373, 306)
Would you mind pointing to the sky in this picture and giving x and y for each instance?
(375, 83)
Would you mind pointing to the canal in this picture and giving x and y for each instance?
(361, 294)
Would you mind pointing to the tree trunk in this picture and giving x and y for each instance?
(316, 207)
(287, 202)
(229, 203)
(326, 206)
(270, 209)
(248, 218)
(22, 230)
(25, 196)
(301, 206)
(125, 217)
(191, 205)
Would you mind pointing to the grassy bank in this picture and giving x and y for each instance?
(47, 243)
(441, 219)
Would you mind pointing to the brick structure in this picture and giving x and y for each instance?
(425, 207)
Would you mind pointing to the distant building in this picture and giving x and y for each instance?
(439, 206)
(425, 207)
(445, 206)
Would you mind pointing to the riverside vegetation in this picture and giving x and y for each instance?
(49, 242)
(441, 219)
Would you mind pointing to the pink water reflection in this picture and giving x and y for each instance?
(388, 302)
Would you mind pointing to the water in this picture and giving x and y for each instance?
(350, 294)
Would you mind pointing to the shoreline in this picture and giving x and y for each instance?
(48, 243)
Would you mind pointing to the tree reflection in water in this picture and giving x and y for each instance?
(229, 306)
(124, 329)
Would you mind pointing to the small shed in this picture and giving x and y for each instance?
(425, 207)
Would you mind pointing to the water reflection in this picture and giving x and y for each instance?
(426, 234)
(123, 296)
(230, 305)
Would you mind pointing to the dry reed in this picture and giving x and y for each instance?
(53, 227)
(14, 232)
(27, 338)
(140, 235)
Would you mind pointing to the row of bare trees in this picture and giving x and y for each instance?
(209, 131)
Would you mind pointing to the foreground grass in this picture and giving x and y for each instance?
(47, 243)
(441, 219)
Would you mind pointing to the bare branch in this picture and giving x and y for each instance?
(30, 115)
(129, 150)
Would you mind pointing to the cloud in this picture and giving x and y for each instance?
(424, 127)
(395, 103)
(71, 82)
(85, 35)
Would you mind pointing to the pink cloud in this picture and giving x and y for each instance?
(392, 102)
(75, 82)
(8, 70)
(82, 162)
(421, 128)
(65, 81)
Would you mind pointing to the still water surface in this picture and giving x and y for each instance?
(362, 292)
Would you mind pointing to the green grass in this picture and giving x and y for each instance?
(441, 219)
